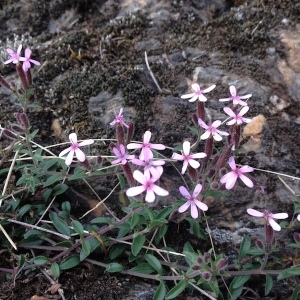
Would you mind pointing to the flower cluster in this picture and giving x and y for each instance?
(15, 58)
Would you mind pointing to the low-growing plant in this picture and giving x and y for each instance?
(134, 243)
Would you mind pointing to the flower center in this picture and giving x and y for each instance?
(199, 92)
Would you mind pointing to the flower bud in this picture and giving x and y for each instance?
(201, 110)
(130, 131)
(22, 119)
(259, 244)
(269, 234)
(9, 134)
(214, 185)
(195, 267)
(297, 237)
(17, 128)
(195, 120)
(22, 77)
(200, 260)
(206, 275)
(222, 264)
(86, 165)
(120, 133)
(4, 83)
(207, 256)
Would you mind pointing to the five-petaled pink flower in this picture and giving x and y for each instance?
(212, 130)
(192, 201)
(237, 118)
(268, 216)
(198, 94)
(230, 178)
(14, 56)
(119, 119)
(188, 158)
(121, 155)
(27, 60)
(145, 147)
(147, 186)
(235, 98)
(75, 148)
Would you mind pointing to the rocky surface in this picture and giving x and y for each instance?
(93, 63)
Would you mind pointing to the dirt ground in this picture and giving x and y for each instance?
(94, 47)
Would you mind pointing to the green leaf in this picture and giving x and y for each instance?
(52, 179)
(114, 267)
(256, 251)
(77, 226)
(137, 244)
(123, 229)
(122, 181)
(160, 292)
(165, 212)
(235, 293)
(144, 268)
(177, 289)
(269, 284)
(59, 224)
(196, 229)
(134, 220)
(194, 130)
(47, 194)
(65, 244)
(239, 281)
(79, 175)
(31, 232)
(55, 269)
(245, 247)
(154, 262)
(59, 189)
(296, 292)
(161, 233)
(102, 220)
(216, 194)
(23, 210)
(116, 251)
(70, 262)
(187, 248)
(289, 273)
(32, 134)
(85, 251)
(66, 206)
(21, 260)
(40, 260)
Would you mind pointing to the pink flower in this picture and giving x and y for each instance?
(146, 153)
(147, 186)
(188, 158)
(231, 177)
(14, 56)
(74, 148)
(119, 119)
(150, 165)
(235, 98)
(27, 60)
(237, 117)
(121, 155)
(268, 216)
(192, 201)
(198, 94)
(212, 130)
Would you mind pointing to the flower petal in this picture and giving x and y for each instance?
(184, 167)
(86, 142)
(186, 147)
(246, 180)
(184, 192)
(246, 169)
(202, 124)
(73, 138)
(139, 176)
(159, 191)
(231, 163)
(205, 135)
(147, 137)
(158, 146)
(194, 98)
(244, 110)
(133, 191)
(184, 207)
(201, 98)
(274, 225)
(246, 96)
(232, 90)
(255, 213)
(230, 183)
(209, 88)
(194, 211)
(217, 137)
(62, 153)
(69, 158)
(196, 87)
(224, 99)
(197, 190)
(80, 155)
(201, 205)
(229, 112)
(150, 196)
(194, 164)
(187, 96)
(279, 216)
(134, 146)
(199, 155)
(177, 156)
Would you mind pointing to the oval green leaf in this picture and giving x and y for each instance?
(177, 289)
